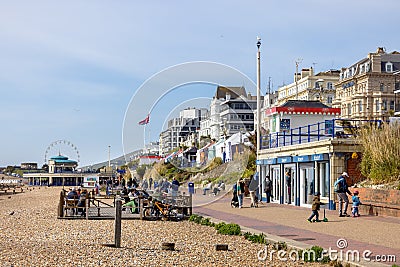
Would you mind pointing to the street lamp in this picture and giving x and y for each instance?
(109, 161)
(258, 112)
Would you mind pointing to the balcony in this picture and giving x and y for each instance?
(336, 128)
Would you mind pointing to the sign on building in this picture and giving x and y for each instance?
(90, 181)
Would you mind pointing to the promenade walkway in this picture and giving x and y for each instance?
(380, 235)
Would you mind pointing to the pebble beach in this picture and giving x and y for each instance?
(31, 235)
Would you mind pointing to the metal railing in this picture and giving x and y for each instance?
(104, 208)
(335, 128)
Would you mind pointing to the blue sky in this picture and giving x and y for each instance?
(68, 70)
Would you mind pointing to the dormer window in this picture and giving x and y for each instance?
(389, 67)
(362, 67)
(366, 67)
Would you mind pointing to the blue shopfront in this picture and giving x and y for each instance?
(296, 178)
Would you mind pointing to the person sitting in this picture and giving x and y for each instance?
(72, 198)
(82, 202)
(72, 194)
(218, 188)
(207, 187)
(131, 204)
(132, 196)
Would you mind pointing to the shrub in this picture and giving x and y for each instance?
(195, 218)
(207, 222)
(229, 229)
(260, 238)
(219, 225)
(280, 246)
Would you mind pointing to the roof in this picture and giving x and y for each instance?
(59, 157)
(235, 92)
(303, 107)
(304, 104)
(62, 159)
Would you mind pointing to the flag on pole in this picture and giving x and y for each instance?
(145, 121)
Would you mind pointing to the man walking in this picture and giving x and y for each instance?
(342, 189)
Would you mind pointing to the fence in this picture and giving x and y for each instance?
(335, 128)
(104, 207)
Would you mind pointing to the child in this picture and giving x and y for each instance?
(356, 204)
(315, 208)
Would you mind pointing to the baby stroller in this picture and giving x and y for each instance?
(235, 201)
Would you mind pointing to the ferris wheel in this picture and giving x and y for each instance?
(62, 144)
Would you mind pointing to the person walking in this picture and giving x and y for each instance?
(268, 188)
(356, 203)
(150, 182)
(240, 192)
(342, 189)
(315, 208)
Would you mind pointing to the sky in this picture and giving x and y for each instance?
(71, 70)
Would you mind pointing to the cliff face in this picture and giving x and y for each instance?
(229, 172)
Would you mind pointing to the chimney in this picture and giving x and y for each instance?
(381, 50)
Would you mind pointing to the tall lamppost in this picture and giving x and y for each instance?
(258, 113)
(109, 161)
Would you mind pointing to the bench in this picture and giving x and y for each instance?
(72, 205)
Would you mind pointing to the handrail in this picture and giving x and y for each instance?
(334, 128)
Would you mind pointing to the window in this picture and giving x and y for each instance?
(359, 106)
(330, 99)
(377, 106)
(389, 67)
(349, 109)
(381, 87)
(384, 105)
(362, 67)
(391, 107)
(329, 85)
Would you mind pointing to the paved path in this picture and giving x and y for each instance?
(380, 235)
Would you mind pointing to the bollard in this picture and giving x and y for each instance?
(118, 223)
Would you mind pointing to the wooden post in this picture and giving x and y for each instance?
(118, 223)
(141, 208)
(167, 246)
(61, 204)
(220, 247)
(190, 205)
(87, 204)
